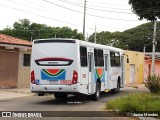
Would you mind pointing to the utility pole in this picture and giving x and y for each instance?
(154, 47)
(87, 37)
(84, 19)
(31, 38)
(95, 35)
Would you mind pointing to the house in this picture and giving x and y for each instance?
(134, 70)
(148, 64)
(14, 62)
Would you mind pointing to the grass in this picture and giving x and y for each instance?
(136, 102)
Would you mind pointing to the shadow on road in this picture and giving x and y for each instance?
(73, 99)
(82, 99)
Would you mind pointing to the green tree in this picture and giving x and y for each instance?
(132, 39)
(108, 38)
(147, 9)
(136, 38)
(24, 29)
(22, 24)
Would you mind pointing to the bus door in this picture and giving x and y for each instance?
(106, 71)
(91, 82)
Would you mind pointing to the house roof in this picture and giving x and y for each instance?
(6, 39)
(149, 56)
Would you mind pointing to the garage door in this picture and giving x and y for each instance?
(8, 69)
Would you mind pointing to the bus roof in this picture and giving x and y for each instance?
(89, 44)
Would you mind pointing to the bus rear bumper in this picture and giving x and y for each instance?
(54, 88)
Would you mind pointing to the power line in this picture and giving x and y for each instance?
(81, 5)
(50, 18)
(47, 10)
(74, 17)
(71, 3)
(87, 14)
(38, 15)
(54, 19)
(44, 16)
(104, 3)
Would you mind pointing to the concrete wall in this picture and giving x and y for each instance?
(136, 59)
(23, 72)
(8, 68)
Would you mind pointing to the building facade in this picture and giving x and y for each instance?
(148, 64)
(134, 70)
(14, 62)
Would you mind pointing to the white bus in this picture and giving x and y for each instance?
(69, 66)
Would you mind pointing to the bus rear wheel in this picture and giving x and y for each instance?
(96, 95)
(116, 90)
(40, 94)
(60, 95)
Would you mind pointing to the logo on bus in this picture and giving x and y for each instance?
(99, 74)
(53, 74)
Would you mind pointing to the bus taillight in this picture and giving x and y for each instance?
(75, 77)
(32, 77)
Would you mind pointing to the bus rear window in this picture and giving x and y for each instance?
(54, 41)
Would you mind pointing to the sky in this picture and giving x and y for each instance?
(106, 15)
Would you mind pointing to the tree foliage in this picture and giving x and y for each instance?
(108, 38)
(22, 24)
(133, 39)
(147, 9)
(24, 29)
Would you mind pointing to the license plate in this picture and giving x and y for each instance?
(53, 82)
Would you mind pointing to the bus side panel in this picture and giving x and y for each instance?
(115, 72)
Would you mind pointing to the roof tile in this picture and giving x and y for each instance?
(13, 40)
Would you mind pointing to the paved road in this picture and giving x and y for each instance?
(72, 103)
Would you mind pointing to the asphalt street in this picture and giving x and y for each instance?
(72, 103)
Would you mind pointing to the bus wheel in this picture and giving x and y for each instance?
(96, 95)
(60, 95)
(116, 90)
(40, 94)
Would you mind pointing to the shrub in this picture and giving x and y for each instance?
(153, 83)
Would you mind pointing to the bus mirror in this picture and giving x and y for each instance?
(127, 60)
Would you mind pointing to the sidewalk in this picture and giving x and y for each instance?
(16, 92)
(140, 87)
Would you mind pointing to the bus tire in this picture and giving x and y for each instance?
(40, 94)
(96, 95)
(116, 90)
(60, 95)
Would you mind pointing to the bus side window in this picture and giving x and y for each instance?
(112, 59)
(115, 59)
(83, 56)
(96, 57)
(99, 60)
